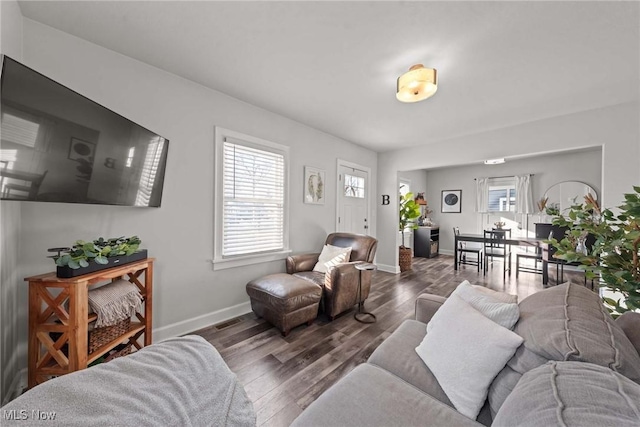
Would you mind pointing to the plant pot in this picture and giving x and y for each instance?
(67, 272)
(405, 258)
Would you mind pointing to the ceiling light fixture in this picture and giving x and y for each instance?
(494, 161)
(417, 84)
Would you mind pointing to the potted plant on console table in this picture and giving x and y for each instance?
(615, 255)
(409, 211)
(87, 257)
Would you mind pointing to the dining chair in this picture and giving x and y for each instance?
(558, 262)
(495, 246)
(525, 266)
(31, 189)
(465, 248)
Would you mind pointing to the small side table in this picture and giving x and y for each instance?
(361, 315)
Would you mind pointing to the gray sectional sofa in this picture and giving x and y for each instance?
(576, 367)
(178, 382)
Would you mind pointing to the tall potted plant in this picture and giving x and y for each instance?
(409, 211)
(615, 255)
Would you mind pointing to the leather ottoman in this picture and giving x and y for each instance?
(284, 300)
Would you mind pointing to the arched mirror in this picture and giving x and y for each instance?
(565, 194)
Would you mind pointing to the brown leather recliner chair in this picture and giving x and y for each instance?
(340, 286)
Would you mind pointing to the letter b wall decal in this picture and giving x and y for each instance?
(385, 199)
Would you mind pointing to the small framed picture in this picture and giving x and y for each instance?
(314, 182)
(452, 201)
(81, 150)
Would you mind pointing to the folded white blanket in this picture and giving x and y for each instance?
(114, 302)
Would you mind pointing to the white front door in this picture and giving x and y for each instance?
(353, 199)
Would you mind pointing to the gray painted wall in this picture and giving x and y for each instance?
(188, 293)
(584, 166)
(10, 280)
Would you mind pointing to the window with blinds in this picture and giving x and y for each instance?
(19, 130)
(253, 212)
(502, 194)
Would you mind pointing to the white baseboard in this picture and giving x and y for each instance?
(18, 384)
(446, 251)
(389, 268)
(195, 323)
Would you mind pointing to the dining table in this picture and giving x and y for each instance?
(513, 241)
(29, 177)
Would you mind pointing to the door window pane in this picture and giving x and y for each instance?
(353, 186)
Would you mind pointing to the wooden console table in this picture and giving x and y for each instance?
(59, 316)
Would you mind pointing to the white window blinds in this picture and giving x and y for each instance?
(149, 170)
(253, 205)
(19, 130)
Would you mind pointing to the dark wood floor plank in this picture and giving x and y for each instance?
(271, 407)
(284, 417)
(283, 376)
(257, 368)
(272, 379)
(243, 335)
(257, 348)
(216, 332)
(297, 347)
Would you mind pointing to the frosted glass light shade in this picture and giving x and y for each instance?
(417, 84)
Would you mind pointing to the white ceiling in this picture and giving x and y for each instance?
(333, 65)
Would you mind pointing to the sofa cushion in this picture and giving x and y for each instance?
(397, 355)
(465, 351)
(501, 309)
(370, 396)
(311, 276)
(500, 296)
(571, 394)
(565, 323)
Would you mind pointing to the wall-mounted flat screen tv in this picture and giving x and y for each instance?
(58, 146)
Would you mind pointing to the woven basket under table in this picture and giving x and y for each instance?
(101, 336)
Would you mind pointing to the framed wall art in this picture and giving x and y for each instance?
(451, 201)
(81, 150)
(314, 183)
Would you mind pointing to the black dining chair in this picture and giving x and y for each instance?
(465, 248)
(524, 259)
(495, 247)
(557, 261)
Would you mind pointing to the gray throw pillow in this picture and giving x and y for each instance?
(565, 323)
(571, 394)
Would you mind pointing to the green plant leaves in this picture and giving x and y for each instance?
(615, 255)
(98, 251)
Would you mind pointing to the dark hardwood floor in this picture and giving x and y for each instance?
(282, 376)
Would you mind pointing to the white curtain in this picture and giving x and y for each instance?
(482, 195)
(524, 198)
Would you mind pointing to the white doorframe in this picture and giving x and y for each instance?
(348, 164)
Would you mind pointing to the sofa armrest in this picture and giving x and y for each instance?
(302, 262)
(427, 305)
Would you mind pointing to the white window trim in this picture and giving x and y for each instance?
(220, 263)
